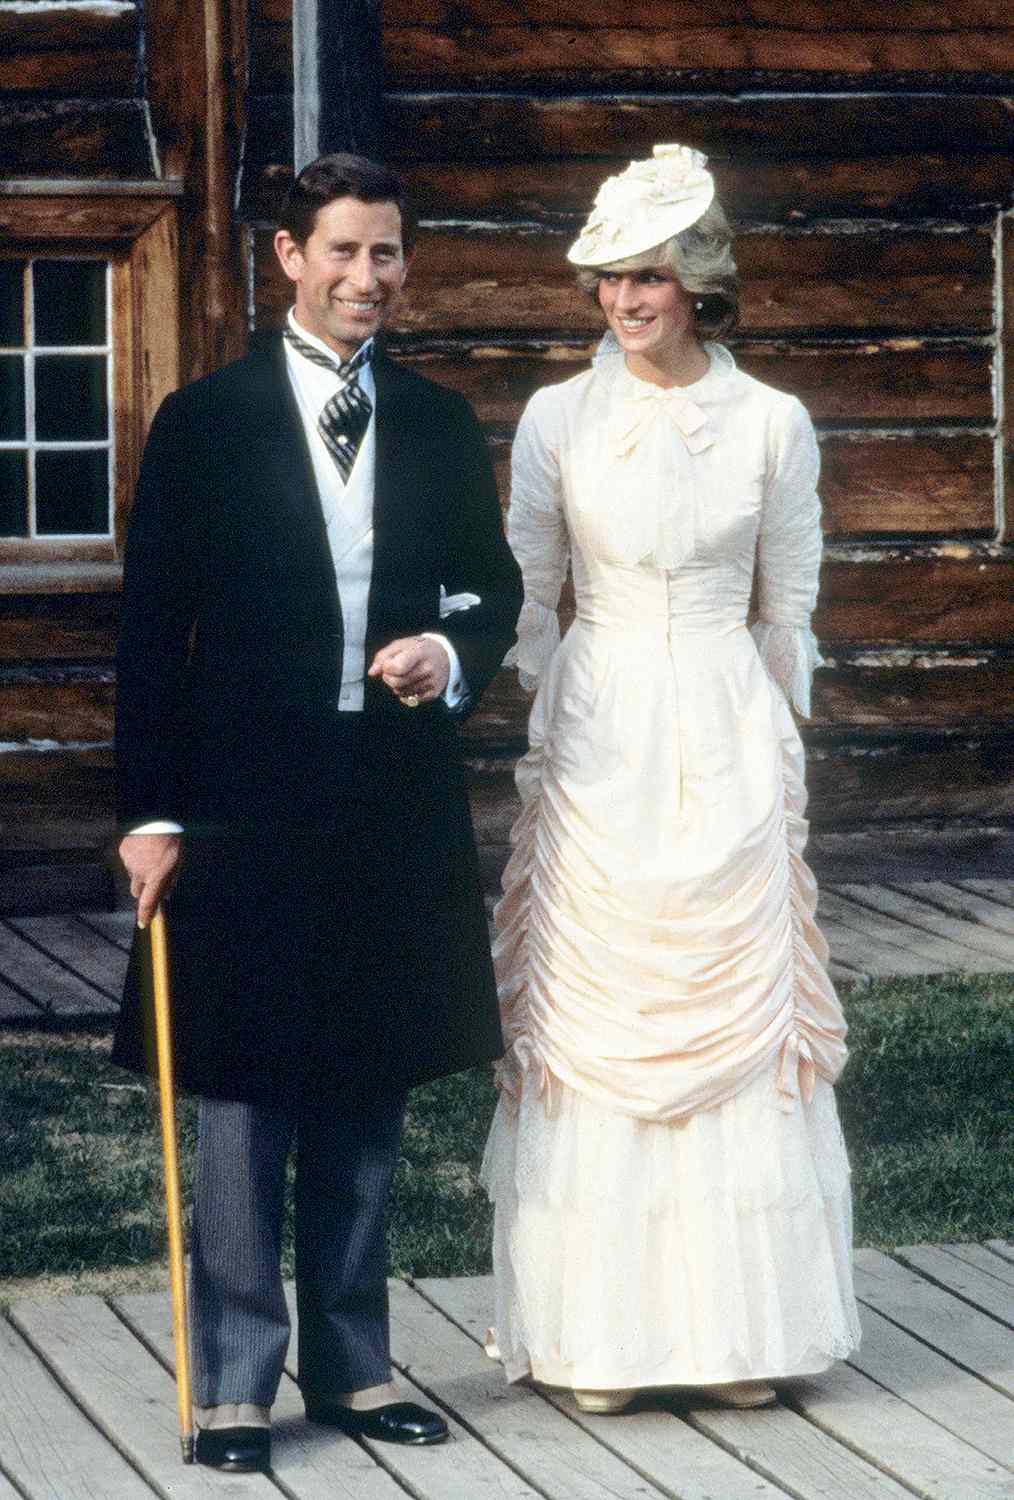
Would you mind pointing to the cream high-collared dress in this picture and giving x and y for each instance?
(669, 1178)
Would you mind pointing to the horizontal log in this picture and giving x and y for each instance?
(886, 487)
(660, 15)
(928, 691)
(489, 55)
(917, 777)
(903, 380)
(907, 486)
(964, 597)
(71, 628)
(70, 139)
(955, 182)
(50, 707)
(868, 779)
(49, 781)
(899, 187)
(480, 127)
(795, 283)
(74, 71)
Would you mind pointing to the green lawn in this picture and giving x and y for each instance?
(926, 1104)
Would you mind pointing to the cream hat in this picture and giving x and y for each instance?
(645, 206)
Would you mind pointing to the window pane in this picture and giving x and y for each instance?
(13, 494)
(70, 301)
(70, 397)
(12, 304)
(12, 398)
(72, 493)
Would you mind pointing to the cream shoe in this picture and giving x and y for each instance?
(742, 1394)
(604, 1402)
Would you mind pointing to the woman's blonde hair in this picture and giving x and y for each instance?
(701, 259)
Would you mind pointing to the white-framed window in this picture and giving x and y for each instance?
(57, 429)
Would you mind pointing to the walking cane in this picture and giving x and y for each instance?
(171, 1163)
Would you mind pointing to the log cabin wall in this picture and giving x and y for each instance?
(866, 155)
(120, 125)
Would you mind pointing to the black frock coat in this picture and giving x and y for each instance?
(327, 931)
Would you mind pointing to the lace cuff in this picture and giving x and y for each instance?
(538, 637)
(790, 654)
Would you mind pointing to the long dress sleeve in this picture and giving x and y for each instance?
(788, 559)
(538, 537)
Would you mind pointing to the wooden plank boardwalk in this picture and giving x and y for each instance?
(73, 965)
(925, 1409)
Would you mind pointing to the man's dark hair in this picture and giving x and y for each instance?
(344, 176)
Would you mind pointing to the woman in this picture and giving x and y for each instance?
(671, 1187)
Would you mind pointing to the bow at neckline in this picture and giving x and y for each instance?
(640, 404)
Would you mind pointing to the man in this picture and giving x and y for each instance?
(315, 584)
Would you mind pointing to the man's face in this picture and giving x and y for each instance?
(349, 274)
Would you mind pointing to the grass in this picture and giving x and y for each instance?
(926, 1105)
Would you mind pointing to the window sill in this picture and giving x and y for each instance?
(61, 578)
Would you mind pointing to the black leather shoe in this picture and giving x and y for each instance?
(240, 1450)
(399, 1422)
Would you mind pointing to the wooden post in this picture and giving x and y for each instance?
(338, 68)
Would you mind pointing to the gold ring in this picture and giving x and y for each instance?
(411, 700)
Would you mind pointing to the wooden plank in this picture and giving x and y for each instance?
(975, 948)
(17, 1007)
(969, 1282)
(1004, 1249)
(47, 1446)
(99, 216)
(34, 886)
(60, 992)
(867, 781)
(77, 948)
(57, 778)
(886, 955)
(778, 1441)
(550, 1453)
(967, 1337)
(117, 927)
(901, 1441)
(126, 1393)
(665, 1450)
(56, 706)
(454, 1471)
(882, 486)
(515, 127)
(928, 1382)
(64, 138)
(887, 382)
(312, 1462)
(514, 55)
(984, 1259)
(999, 892)
(964, 903)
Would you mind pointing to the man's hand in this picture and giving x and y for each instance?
(152, 861)
(413, 665)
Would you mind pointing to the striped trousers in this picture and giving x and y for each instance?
(239, 1318)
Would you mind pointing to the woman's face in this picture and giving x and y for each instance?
(649, 312)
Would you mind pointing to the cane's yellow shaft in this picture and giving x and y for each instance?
(171, 1163)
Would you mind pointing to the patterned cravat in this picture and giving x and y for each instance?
(345, 418)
